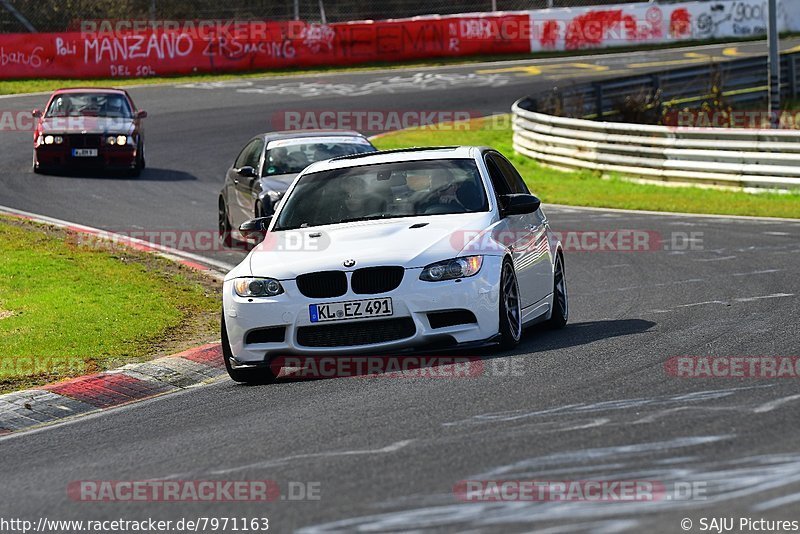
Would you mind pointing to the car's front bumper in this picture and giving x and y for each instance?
(413, 299)
(60, 157)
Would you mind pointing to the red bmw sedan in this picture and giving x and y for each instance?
(89, 128)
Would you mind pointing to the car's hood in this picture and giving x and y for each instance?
(287, 254)
(89, 125)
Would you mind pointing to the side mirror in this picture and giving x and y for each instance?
(255, 228)
(141, 114)
(247, 172)
(518, 204)
(36, 113)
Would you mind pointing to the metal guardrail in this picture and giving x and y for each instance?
(736, 157)
(738, 81)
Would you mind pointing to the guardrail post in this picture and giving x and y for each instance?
(598, 99)
(792, 75)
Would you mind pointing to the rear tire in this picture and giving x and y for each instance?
(560, 316)
(260, 375)
(510, 307)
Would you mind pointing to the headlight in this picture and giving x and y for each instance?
(116, 139)
(452, 269)
(274, 196)
(257, 287)
(48, 139)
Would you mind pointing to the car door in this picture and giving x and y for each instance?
(512, 230)
(240, 198)
(534, 267)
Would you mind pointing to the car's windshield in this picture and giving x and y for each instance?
(89, 105)
(402, 189)
(291, 156)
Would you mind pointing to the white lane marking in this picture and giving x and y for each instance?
(777, 233)
(637, 403)
(689, 281)
(596, 455)
(772, 296)
(670, 411)
(724, 258)
(724, 302)
(628, 288)
(693, 304)
(765, 271)
(600, 421)
(771, 405)
(280, 461)
(779, 501)
(611, 526)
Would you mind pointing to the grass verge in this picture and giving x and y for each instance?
(69, 308)
(35, 85)
(585, 188)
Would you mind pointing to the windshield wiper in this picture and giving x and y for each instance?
(349, 220)
(372, 218)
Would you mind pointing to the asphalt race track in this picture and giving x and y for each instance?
(594, 400)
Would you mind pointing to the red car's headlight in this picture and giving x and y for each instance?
(51, 139)
(117, 139)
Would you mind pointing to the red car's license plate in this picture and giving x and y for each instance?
(84, 152)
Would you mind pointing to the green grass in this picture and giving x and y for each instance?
(585, 188)
(34, 85)
(68, 309)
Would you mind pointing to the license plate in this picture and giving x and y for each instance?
(353, 309)
(84, 152)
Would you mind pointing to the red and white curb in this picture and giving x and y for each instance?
(30, 408)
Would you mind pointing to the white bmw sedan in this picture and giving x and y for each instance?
(388, 251)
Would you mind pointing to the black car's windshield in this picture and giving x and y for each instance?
(291, 156)
(402, 189)
(90, 105)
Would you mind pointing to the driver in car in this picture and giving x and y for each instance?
(278, 163)
(448, 194)
(356, 201)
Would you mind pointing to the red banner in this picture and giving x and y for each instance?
(122, 49)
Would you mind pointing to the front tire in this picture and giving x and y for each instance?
(510, 307)
(560, 315)
(140, 163)
(254, 376)
(224, 225)
(37, 169)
